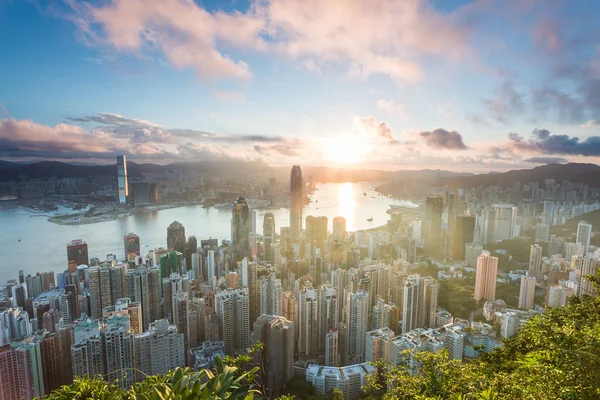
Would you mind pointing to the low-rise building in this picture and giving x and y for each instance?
(349, 380)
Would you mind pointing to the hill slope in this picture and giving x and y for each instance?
(588, 174)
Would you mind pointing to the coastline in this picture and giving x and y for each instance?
(73, 219)
(81, 219)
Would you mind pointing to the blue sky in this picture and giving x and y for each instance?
(393, 84)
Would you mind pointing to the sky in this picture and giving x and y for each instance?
(462, 85)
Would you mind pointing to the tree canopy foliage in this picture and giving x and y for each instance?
(555, 356)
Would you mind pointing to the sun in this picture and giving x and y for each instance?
(344, 150)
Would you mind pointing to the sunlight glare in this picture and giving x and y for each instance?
(344, 150)
(346, 204)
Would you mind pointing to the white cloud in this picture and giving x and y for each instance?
(361, 38)
(590, 124)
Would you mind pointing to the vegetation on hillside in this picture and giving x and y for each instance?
(555, 356)
(569, 230)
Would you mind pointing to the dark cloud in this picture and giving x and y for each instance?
(284, 149)
(544, 142)
(507, 102)
(141, 131)
(443, 140)
(564, 107)
(546, 160)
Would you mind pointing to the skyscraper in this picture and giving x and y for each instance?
(485, 277)
(122, 183)
(143, 286)
(277, 334)
(332, 352)
(176, 237)
(14, 374)
(179, 315)
(339, 228)
(498, 223)
(584, 235)
(308, 321)
(358, 321)
(296, 197)
(527, 292)
(411, 303)
(432, 225)
(100, 293)
(429, 305)
(77, 254)
(270, 295)
(159, 349)
(573, 249)
(463, 234)
(316, 231)
(118, 347)
(535, 262)
(191, 247)
(131, 243)
(240, 228)
(232, 307)
(268, 234)
(589, 267)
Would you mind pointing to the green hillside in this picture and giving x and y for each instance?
(569, 230)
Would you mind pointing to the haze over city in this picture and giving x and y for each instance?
(299, 199)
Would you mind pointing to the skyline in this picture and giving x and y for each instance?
(456, 85)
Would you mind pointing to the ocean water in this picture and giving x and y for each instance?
(29, 242)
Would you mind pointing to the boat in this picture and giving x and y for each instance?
(370, 219)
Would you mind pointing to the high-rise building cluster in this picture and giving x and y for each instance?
(314, 295)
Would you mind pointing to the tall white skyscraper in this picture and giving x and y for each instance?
(118, 343)
(584, 235)
(332, 351)
(411, 303)
(358, 321)
(123, 184)
(535, 262)
(270, 295)
(589, 267)
(143, 286)
(210, 265)
(573, 249)
(527, 292)
(308, 321)
(485, 277)
(329, 313)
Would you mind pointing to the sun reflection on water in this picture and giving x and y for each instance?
(346, 204)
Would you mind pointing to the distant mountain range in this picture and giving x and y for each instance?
(578, 173)
(588, 174)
